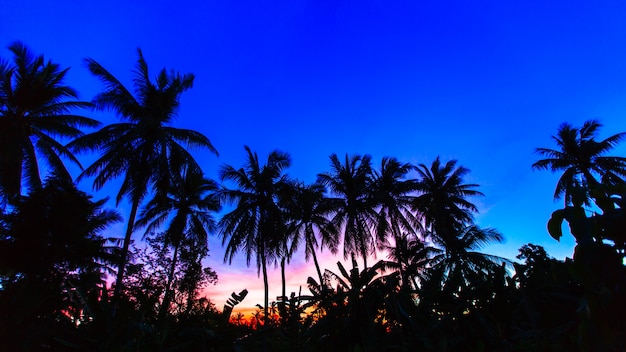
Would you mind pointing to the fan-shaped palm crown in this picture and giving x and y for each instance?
(356, 211)
(393, 195)
(144, 148)
(307, 210)
(443, 197)
(582, 158)
(257, 224)
(35, 109)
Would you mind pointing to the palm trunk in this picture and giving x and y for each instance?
(168, 287)
(124, 256)
(317, 266)
(265, 288)
(364, 260)
(282, 274)
(283, 306)
(401, 259)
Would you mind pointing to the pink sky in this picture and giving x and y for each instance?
(236, 277)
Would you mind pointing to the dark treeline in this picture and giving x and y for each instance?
(65, 287)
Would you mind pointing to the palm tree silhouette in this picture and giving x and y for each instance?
(442, 202)
(53, 259)
(35, 109)
(581, 158)
(308, 210)
(411, 256)
(257, 223)
(459, 263)
(144, 149)
(355, 213)
(188, 208)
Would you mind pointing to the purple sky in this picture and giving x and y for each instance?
(484, 83)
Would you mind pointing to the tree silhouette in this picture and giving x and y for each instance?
(144, 149)
(52, 262)
(459, 263)
(353, 314)
(257, 223)
(187, 208)
(442, 201)
(308, 210)
(411, 256)
(582, 159)
(35, 109)
(393, 195)
(356, 213)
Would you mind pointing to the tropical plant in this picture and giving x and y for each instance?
(581, 158)
(35, 109)
(459, 263)
(187, 208)
(354, 314)
(442, 201)
(308, 209)
(355, 213)
(393, 195)
(144, 148)
(411, 257)
(53, 261)
(257, 223)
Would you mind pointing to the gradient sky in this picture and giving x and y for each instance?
(483, 82)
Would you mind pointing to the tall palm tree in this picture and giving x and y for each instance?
(411, 256)
(308, 210)
(144, 148)
(442, 201)
(288, 241)
(355, 213)
(393, 194)
(582, 159)
(458, 262)
(35, 109)
(257, 223)
(187, 208)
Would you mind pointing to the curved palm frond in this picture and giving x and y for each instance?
(35, 111)
(582, 160)
(257, 224)
(355, 212)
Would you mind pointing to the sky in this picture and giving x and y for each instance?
(482, 82)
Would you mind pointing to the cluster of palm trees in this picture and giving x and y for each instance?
(150, 155)
(366, 209)
(273, 214)
(421, 215)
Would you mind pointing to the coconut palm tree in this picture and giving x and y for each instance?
(52, 262)
(393, 194)
(257, 223)
(442, 201)
(143, 148)
(582, 160)
(288, 241)
(35, 109)
(308, 210)
(187, 208)
(356, 213)
(411, 256)
(458, 262)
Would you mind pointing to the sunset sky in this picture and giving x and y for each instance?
(483, 82)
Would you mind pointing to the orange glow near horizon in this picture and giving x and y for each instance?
(236, 277)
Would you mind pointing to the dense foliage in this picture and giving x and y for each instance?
(65, 287)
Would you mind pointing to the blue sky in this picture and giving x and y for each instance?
(481, 82)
